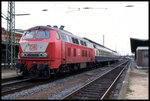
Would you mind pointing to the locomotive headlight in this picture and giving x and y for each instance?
(44, 54)
(34, 55)
(22, 54)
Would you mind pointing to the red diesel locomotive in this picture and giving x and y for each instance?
(45, 50)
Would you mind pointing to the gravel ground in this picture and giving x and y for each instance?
(58, 88)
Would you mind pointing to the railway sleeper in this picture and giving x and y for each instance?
(84, 98)
(89, 93)
(88, 96)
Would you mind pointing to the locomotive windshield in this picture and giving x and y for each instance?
(39, 35)
(43, 35)
(29, 35)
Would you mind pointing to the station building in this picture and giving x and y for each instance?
(142, 56)
(141, 50)
(18, 35)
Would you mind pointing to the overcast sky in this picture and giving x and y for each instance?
(117, 23)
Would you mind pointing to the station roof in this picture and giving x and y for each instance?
(142, 48)
(137, 42)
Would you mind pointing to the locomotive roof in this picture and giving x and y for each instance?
(68, 33)
(48, 27)
(40, 27)
(57, 29)
(100, 45)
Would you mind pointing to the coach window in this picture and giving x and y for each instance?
(70, 39)
(76, 41)
(43, 35)
(57, 36)
(96, 52)
(81, 42)
(99, 52)
(63, 37)
(85, 44)
(73, 40)
(29, 35)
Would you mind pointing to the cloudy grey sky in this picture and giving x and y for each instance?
(117, 23)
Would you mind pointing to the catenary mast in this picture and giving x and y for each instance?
(10, 47)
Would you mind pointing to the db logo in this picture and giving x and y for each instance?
(33, 47)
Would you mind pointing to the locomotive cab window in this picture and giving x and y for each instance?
(57, 36)
(29, 35)
(43, 35)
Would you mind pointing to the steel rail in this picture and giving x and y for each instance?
(14, 82)
(105, 94)
(82, 87)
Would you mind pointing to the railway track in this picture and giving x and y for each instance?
(4, 80)
(12, 85)
(100, 87)
(15, 84)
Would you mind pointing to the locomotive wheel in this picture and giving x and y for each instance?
(19, 72)
(76, 67)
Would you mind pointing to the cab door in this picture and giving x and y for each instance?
(63, 52)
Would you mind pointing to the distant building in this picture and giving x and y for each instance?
(142, 56)
(18, 35)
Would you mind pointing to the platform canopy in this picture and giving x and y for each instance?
(137, 42)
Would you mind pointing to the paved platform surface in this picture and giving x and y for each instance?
(136, 84)
(11, 73)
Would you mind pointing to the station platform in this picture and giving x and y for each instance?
(136, 83)
(8, 74)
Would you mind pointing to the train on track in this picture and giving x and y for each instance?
(46, 50)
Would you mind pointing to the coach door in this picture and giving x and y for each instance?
(63, 52)
(63, 47)
(92, 54)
